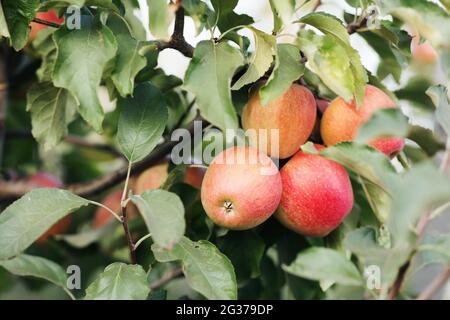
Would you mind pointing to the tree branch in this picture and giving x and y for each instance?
(177, 40)
(47, 23)
(166, 278)
(435, 285)
(3, 96)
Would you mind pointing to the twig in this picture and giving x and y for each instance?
(47, 23)
(166, 278)
(128, 235)
(354, 27)
(177, 40)
(3, 96)
(435, 285)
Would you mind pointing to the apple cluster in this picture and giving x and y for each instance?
(310, 194)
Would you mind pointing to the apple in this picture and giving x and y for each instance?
(317, 195)
(50, 16)
(241, 188)
(293, 114)
(341, 121)
(152, 178)
(422, 52)
(194, 176)
(112, 200)
(45, 180)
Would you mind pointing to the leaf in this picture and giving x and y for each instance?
(330, 25)
(431, 21)
(288, 68)
(83, 54)
(4, 31)
(245, 250)
(330, 61)
(28, 218)
(87, 237)
(323, 264)
(119, 281)
(283, 10)
(160, 18)
(227, 17)
(18, 15)
(438, 94)
(200, 14)
(384, 123)
(363, 243)
(163, 213)
(208, 77)
(27, 265)
(435, 248)
(142, 121)
(129, 62)
(428, 187)
(50, 109)
(426, 139)
(261, 59)
(207, 270)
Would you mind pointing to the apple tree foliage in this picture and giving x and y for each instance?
(177, 251)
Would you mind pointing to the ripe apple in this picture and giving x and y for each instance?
(241, 188)
(112, 200)
(45, 180)
(50, 16)
(152, 178)
(317, 195)
(293, 114)
(422, 52)
(194, 176)
(341, 121)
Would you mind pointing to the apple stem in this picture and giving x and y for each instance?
(228, 205)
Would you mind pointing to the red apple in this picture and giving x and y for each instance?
(50, 16)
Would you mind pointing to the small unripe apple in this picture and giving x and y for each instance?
(293, 114)
(194, 176)
(112, 200)
(341, 121)
(45, 180)
(317, 195)
(50, 16)
(241, 188)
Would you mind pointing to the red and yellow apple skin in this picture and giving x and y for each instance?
(317, 195)
(241, 194)
(293, 114)
(47, 16)
(194, 176)
(341, 121)
(422, 52)
(152, 178)
(45, 180)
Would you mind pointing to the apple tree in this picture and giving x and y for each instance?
(97, 204)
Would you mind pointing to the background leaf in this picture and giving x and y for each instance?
(160, 17)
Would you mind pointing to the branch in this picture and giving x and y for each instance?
(166, 278)
(47, 23)
(435, 285)
(354, 27)
(3, 95)
(13, 190)
(177, 40)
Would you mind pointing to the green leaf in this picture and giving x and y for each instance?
(428, 187)
(142, 121)
(82, 57)
(426, 139)
(18, 15)
(119, 281)
(330, 61)
(260, 60)
(129, 62)
(245, 249)
(323, 264)
(288, 68)
(435, 248)
(200, 14)
(163, 213)
(208, 77)
(28, 218)
(160, 18)
(283, 10)
(414, 91)
(384, 123)
(431, 21)
(438, 94)
(332, 26)
(51, 110)
(207, 270)
(227, 17)
(363, 243)
(85, 238)
(33, 266)
(4, 31)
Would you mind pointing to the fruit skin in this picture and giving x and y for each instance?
(194, 176)
(152, 178)
(294, 114)
(317, 195)
(422, 52)
(113, 201)
(47, 16)
(241, 194)
(45, 180)
(341, 121)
